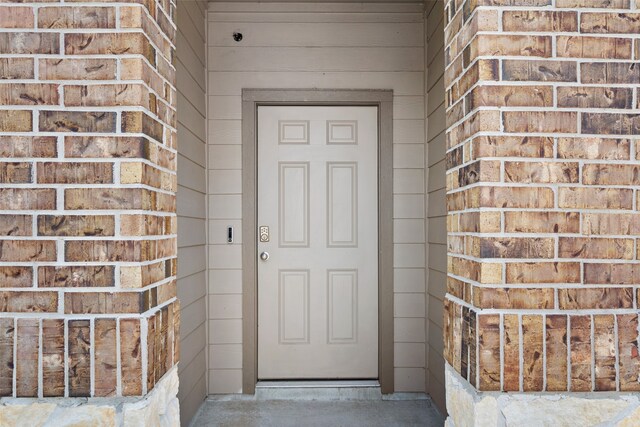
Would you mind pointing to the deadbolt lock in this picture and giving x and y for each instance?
(264, 234)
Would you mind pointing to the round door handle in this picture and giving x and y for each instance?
(264, 256)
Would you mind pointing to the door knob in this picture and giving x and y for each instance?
(264, 256)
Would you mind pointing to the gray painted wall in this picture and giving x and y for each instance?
(192, 213)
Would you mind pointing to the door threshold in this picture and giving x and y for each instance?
(318, 384)
(319, 390)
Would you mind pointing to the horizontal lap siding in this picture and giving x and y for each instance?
(336, 46)
(191, 204)
(436, 214)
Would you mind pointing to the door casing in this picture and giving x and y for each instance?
(251, 100)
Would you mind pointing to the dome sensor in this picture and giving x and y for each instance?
(237, 36)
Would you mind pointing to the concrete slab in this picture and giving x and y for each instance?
(285, 413)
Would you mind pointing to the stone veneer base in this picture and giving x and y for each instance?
(468, 407)
(159, 408)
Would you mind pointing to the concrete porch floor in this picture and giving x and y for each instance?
(283, 413)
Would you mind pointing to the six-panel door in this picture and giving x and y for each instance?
(318, 196)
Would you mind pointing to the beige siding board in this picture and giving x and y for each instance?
(225, 356)
(436, 211)
(225, 281)
(436, 149)
(410, 379)
(225, 331)
(408, 131)
(190, 88)
(401, 82)
(374, 6)
(349, 34)
(192, 119)
(437, 116)
(225, 381)
(191, 400)
(191, 147)
(192, 261)
(436, 42)
(194, 288)
(329, 17)
(225, 132)
(188, 56)
(409, 280)
(191, 203)
(226, 107)
(189, 23)
(438, 231)
(191, 344)
(192, 232)
(408, 107)
(409, 330)
(193, 175)
(437, 176)
(316, 59)
(225, 307)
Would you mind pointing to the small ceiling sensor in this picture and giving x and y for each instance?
(237, 36)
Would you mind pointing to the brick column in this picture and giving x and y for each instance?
(87, 198)
(543, 195)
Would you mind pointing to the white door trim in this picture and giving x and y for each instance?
(251, 99)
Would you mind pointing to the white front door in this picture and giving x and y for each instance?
(318, 196)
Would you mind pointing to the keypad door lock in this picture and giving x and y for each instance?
(264, 234)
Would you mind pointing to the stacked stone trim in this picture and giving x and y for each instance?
(543, 194)
(88, 248)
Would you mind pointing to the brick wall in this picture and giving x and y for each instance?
(87, 198)
(543, 194)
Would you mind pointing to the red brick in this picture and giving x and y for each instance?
(7, 332)
(16, 68)
(593, 47)
(76, 17)
(489, 352)
(76, 225)
(545, 122)
(131, 357)
(15, 173)
(511, 353)
(27, 146)
(78, 276)
(595, 298)
(629, 355)
(543, 272)
(75, 173)
(79, 359)
(16, 225)
(105, 357)
(16, 277)
(25, 43)
(53, 347)
(28, 302)
(580, 345)
(539, 21)
(75, 68)
(604, 349)
(595, 248)
(77, 121)
(16, 17)
(28, 332)
(556, 352)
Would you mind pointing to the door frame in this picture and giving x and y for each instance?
(251, 100)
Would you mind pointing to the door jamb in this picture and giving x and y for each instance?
(251, 100)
